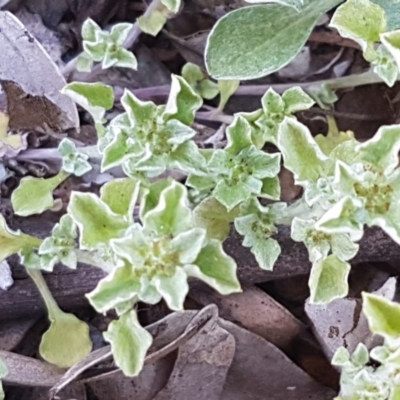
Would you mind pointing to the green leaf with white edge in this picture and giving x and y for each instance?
(172, 5)
(256, 41)
(129, 343)
(90, 30)
(151, 195)
(121, 285)
(360, 356)
(392, 11)
(328, 280)
(271, 188)
(141, 113)
(211, 215)
(35, 195)
(188, 244)
(383, 316)
(342, 218)
(360, 20)
(226, 89)
(121, 196)
(66, 342)
(391, 41)
(172, 214)
(385, 66)
(197, 79)
(97, 223)
(238, 135)
(329, 142)
(266, 252)
(187, 158)
(341, 357)
(95, 98)
(84, 63)
(153, 23)
(182, 102)
(73, 162)
(120, 32)
(301, 153)
(173, 288)
(272, 103)
(389, 222)
(95, 50)
(214, 267)
(343, 247)
(11, 242)
(208, 89)
(297, 4)
(230, 195)
(296, 99)
(126, 59)
(381, 151)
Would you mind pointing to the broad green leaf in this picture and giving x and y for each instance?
(211, 215)
(391, 41)
(12, 242)
(230, 195)
(188, 244)
(328, 280)
(187, 158)
(329, 142)
(173, 288)
(301, 153)
(96, 221)
(383, 315)
(381, 151)
(141, 113)
(90, 30)
(153, 23)
(121, 196)
(95, 50)
(35, 195)
(182, 102)
(129, 343)
(360, 20)
(151, 196)
(214, 267)
(360, 356)
(392, 10)
(238, 135)
(172, 5)
(95, 98)
(120, 32)
(197, 79)
(341, 357)
(342, 218)
(266, 253)
(296, 99)
(125, 59)
(385, 66)
(119, 286)
(226, 88)
(172, 214)
(66, 342)
(271, 188)
(255, 41)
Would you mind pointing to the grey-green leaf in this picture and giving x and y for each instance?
(255, 41)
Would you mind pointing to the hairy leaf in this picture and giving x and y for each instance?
(255, 41)
(129, 343)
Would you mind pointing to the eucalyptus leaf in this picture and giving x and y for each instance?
(129, 343)
(255, 41)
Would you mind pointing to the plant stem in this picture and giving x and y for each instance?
(365, 78)
(51, 304)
